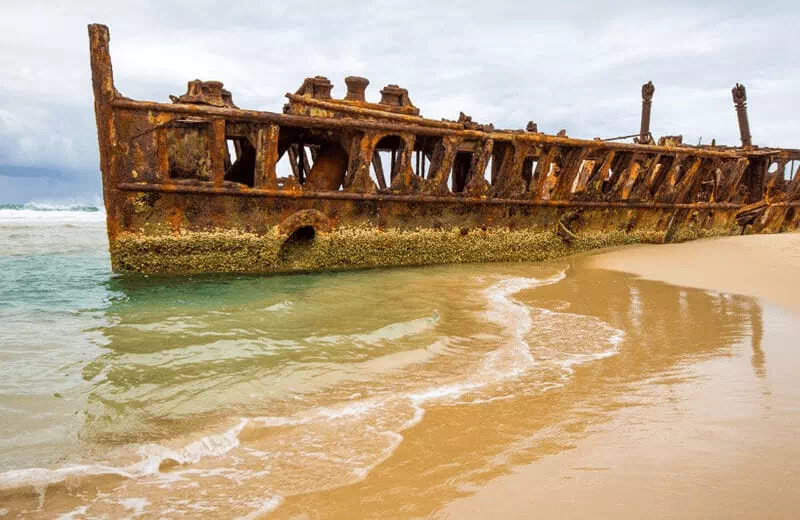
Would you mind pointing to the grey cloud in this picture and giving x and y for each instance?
(573, 65)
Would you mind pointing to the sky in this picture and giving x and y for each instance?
(572, 65)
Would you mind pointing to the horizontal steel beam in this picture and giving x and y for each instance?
(385, 197)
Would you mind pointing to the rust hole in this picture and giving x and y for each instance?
(302, 235)
(296, 245)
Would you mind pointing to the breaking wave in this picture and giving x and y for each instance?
(35, 215)
(40, 206)
(340, 443)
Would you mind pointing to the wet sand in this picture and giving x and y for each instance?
(720, 440)
(764, 266)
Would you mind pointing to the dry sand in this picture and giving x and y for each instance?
(764, 266)
(718, 441)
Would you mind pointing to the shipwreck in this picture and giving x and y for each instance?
(195, 185)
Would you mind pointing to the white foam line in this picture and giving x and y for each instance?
(269, 505)
(392, 332)
(505, 310)
(135, 505)
(152, 457)
(74, 514)
(513, 316)
(282, 306)
(210, 446)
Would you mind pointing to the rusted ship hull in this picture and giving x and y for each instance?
(194, 186)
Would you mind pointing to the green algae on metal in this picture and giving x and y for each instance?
(361, 248)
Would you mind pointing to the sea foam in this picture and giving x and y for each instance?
(380, 419)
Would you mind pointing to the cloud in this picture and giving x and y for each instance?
(573, 65)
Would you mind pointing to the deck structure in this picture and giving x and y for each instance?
(195, 185)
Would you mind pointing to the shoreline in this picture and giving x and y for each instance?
(733, 264)
(729, 456)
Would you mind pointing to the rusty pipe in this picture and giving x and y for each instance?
(648, 89)
(740, 101)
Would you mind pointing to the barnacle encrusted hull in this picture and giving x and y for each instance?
(358, 248)
(197, 185)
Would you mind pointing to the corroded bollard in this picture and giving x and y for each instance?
(648, 89)
(740, 100)
(356, 87)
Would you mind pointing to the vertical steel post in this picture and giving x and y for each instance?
(648, 89)
(740, 101)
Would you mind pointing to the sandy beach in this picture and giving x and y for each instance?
(646, 381)
(764, 266)
(718, 441)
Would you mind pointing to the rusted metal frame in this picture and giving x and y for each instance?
(792, 153)
(362, 150)
(587, 168)
(567, 175)
(689, 182)
(217, 150)
(669, 165)
(162, 155)
(509, 180)
(402, 172)
(641, 189)
(375, 196)
(305, 164)
(368, 112)
(497, 162)
(619, 137)
(627, 179)
(301, 162)
(293, 160)
(442, 165)
(776, 183)
(266, 176)
(340, 123)
(619, 171)
(753, 179)
(730, 182)
(709, 174)
(596, 180)
(722, 171)
(793, 190)
(727, 184)
(665, 190)
(377, 164)
(541, 173)
(761, 176)
(477, 184)
(104, 96)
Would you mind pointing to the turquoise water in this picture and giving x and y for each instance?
(230, 394)
(55, 284)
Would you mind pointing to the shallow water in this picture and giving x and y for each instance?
(385, 392)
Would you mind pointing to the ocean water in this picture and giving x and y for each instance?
(235, 395)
